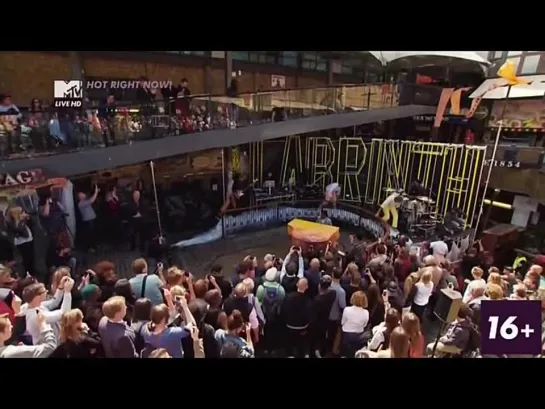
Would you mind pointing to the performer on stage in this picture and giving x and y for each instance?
(389, 207)
(238, 192)
(332, 192)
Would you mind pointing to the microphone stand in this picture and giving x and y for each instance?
(438, 336)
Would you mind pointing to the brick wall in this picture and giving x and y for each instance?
(28, 75)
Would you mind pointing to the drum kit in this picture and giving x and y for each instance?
(417, 212)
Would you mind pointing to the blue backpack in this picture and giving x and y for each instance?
(271, 303)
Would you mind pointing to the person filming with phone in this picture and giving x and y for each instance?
(146, 285)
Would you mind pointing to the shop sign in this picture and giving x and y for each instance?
(24, 177)
(503, 163)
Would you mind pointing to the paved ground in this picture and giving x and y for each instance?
(198, 259)
(230, 251)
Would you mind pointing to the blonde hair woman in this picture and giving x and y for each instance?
(494, 291)
(495, 278)
(354, 321)
(17, 223)
(423, 291)
(76, 341)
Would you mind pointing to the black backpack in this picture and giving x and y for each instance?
(271, 303)
(289, 283)
(143, 348)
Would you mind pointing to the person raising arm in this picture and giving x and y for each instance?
(34, 295)
(294, 250)
(44, 347)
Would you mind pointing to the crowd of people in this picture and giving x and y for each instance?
(111, 120)
(108, 121)
(367, 300)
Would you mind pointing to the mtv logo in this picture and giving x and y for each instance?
(68, 89)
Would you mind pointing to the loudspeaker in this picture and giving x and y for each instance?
(448, 304)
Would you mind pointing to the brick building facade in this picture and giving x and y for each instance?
(26, 75)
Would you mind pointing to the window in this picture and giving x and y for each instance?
(530, 64)
(347, 69)
(516, 61)
(288, 58)
(513, 53)
(321, 64)
(496, 55)
(240, 55)
(312, 61)
(196, 53)
(262, 57)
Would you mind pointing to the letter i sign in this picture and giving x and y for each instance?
(510, 327)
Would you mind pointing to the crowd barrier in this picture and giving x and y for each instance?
(49, 131)
(246, 220)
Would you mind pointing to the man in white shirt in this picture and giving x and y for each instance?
(35, 297)
(389, 207)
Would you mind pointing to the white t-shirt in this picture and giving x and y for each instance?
(470, 287)
(390, 200)
(423, 293)
(51, 313)
(439, 248)
(354, 319)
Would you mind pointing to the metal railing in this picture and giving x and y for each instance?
(261, 217)
(51, 132)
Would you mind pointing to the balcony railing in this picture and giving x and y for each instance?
(50, 132)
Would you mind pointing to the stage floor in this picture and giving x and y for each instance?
(230, 251)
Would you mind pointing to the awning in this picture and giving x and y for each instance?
(536, 88)
(385, 57)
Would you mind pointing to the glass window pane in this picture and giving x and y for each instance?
(239, 55)
(529, 64)
(289, 54)
(497, 54)
(309, 64)
(289, 61)
(516, 61)
(513, 53)
(345, 69)
(321, 66)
